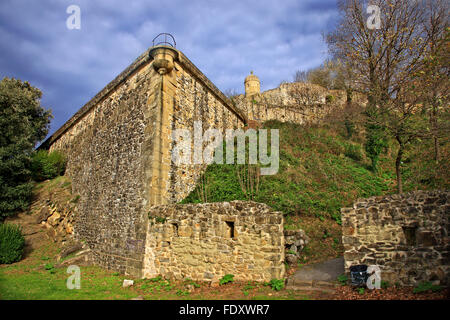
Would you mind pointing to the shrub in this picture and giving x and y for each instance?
(226, 279)
(276, 284)
(343, 279)
(47, 165)
(11, 243)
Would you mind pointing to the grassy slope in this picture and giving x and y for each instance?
(320, 172)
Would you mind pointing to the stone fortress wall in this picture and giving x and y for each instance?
(119, 145)
(406, 235)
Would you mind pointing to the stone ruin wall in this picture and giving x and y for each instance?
(301, 103)
(406, 235)
(204, 242)
(118, 149)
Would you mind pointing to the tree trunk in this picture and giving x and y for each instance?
(398, 163)
(434, 129)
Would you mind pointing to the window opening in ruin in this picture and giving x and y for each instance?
(230, 229)
(410, 235)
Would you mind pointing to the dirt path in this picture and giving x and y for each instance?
(319, 276)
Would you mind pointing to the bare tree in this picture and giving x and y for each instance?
(385, 61)
(301, 76)
(433, 78)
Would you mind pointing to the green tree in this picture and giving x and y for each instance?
(23, 123)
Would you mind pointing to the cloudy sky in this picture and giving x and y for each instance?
(224, 39)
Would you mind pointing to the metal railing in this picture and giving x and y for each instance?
(168, 40)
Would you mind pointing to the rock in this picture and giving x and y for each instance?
(81, 260)
(69, 228)
(69, 248)
(54, 218)
(293, 248)
(189, 288)
(291, 259)
(127, 283)
(299, 243)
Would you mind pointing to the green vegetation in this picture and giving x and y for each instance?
(426, 286)
(191, 282)
(276, 284)
(50, 268)
(385, 284)
(226, 279)
(23, 123)
(47, 165)
(343, 279)
(11, 243)
(315, 175)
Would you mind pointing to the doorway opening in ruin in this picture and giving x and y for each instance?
(230, 229)
(175, 229)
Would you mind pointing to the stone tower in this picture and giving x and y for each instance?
(252, 85)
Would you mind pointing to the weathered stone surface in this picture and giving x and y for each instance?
(43, 214)
(405, 235)
(70, 247)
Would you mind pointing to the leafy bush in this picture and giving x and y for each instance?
(47, 165)
(226, 279)
(11, 243)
